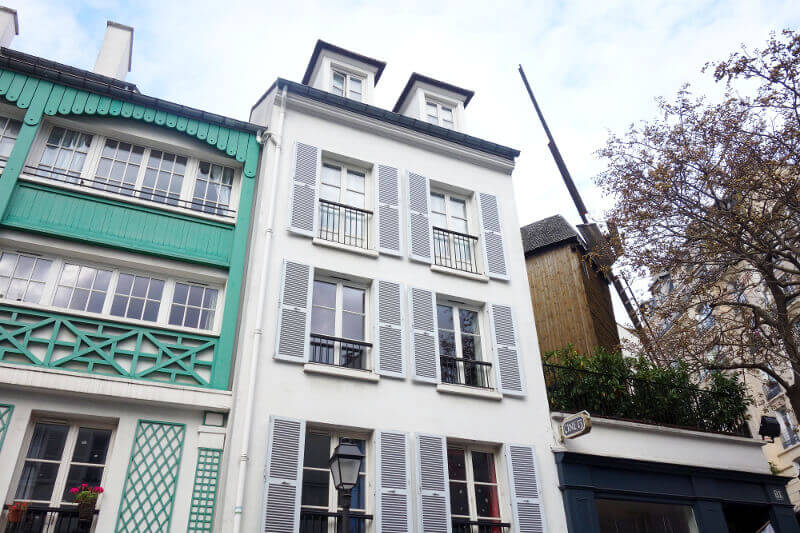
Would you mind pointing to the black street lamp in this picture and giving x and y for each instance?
(345, 464)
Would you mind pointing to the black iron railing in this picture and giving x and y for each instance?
(316, 521)
(455, 250)
(42, 519)
(348, 353)
(123, 189)
(344, 224)
(639, 400)
(463, 525)
(772, 389)
(460, 371)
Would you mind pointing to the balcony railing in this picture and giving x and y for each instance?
(344, 224)
(460, 371)
(45, 520)
(122, 189)
(791, 439)
(639, 400)
(348, 353)
(317, 521)
(772, 389)
(463, 525)
(455, 250)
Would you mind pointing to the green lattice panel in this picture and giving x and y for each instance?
(52, 340)
(204, 493)
(5, 420)
(152, 478)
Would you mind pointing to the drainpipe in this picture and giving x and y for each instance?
(244, 457)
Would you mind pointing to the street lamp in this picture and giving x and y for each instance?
(345, 464)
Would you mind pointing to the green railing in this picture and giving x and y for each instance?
(103, 347)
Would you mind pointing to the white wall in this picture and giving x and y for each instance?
(284, 389)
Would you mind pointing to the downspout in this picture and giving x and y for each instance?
(258, 333)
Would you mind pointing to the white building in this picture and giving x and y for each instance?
(389, 305)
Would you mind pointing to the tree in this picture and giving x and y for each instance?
(708, 192)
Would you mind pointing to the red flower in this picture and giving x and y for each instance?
(74, 490)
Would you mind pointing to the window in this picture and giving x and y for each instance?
(349, 85)
(9, 130)
(343, 198)
(61, 455)
(788, 428)
(163, 178)
(338, 316)
(193, 306)
(453, 246)
(460, 349)
(473, 486)
(137, 297)
(318, 493)
(64, 154)
(212, 188)
(23, 277)
(622, 515)
(119, 167)
(439, 114)
(69, 284)
(82, 288)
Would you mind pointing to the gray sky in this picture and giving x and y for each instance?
(596, 66)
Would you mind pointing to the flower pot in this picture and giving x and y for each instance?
(85, 510)
(15, 515)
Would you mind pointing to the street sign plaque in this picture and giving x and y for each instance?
(576, 425)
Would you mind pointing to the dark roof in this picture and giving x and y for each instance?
(104, 85)
(547, 232)
(322, 45)
(392, 118)
(415, 77)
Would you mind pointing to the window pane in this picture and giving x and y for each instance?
(456, 464)
(353, 326)
(355, 180)
(437, 203)
(483, 467)
(468, 321)
(315, 487)
(331, 175)
(324, 294)
(355, 199)
(78, 474)
(432, 110)
(447, 114)
(447, 343)
(36, 481)
(47, 441)
(92, 446)
(458, 208)
(7, 262)
(317, 450)
(459, 501)
(487, 502)
(444, 316)
(353, 299)
(329, 193)
(618, 515)
(322, 321)
(41, 269)
(181, 293)
(460, 225)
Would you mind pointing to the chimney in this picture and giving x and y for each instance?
(114, 59)
(9, 25)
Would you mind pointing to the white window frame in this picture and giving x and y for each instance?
(485, 356)
(339, 311)
(59, 485)
(440, 103)
(89, 170)
(448, 196)
(344, 167)
(335, 437)
(348, 75)
(162, 322)
(470, 475)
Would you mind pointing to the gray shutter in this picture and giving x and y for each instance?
(283, 475)
(393, 505)
(424, 348)
(494, 254)
(294, 313)
(389, 353)
(525, 501)
(509, 375)
(433, 487)
(420, 241)
(388, 211)
(303, 208)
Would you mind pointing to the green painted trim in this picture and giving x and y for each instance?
(204, 492)
(235, 281)
(47, 339)
(15, 163)
(223, 415)
(6, 410)
(43, 96)
(151, 481)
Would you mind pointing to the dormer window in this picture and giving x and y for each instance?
(439, 114)
(349, 85)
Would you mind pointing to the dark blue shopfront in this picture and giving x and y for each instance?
(612, 494)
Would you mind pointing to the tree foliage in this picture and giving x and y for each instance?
(708, 192)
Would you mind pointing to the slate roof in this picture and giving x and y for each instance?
(546, 233)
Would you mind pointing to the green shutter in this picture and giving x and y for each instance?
(152, 478)
(204, 493)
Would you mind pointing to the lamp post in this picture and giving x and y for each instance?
(345, 464)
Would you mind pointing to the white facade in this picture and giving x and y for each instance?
(293, 396)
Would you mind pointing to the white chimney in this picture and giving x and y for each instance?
(114, 59)
(9, 25)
